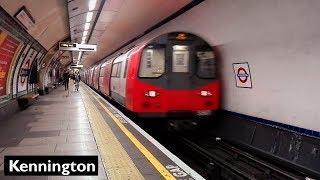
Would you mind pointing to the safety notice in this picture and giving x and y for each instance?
(242, 75)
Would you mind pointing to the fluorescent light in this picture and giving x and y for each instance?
(92, 4)
(79, 56)
(89, 16)
(86, 26)
(85, 33)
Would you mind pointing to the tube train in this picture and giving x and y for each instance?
(172, 75)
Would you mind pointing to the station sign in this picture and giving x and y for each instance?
(77, 66)
(242, 75)
(67, 46)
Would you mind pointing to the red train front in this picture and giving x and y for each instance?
(173, 75)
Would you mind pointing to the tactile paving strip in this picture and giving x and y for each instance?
(116, 161)
(160, 168)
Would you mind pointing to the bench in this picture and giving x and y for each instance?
(26, 100)
(49, 88)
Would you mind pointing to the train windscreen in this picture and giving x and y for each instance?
(152, 63)
(205, 64)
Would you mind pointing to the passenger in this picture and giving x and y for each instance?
(66, 80)
(77, 79)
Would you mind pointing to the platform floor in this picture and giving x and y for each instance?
(83, 123)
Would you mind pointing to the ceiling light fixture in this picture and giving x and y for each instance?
(92, 4)
(89, 16)
(79, 56)
(86, 26)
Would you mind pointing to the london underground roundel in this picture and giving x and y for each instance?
(242, 75)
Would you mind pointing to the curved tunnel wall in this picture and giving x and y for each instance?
(279, 40)
(19, 54)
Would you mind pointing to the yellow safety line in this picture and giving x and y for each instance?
(163, 171)
(116, 161)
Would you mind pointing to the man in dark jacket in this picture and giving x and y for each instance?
(66, 80)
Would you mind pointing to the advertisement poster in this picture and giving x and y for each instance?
(9, 48)
(17, 70)
(38, 59)
(25, 70)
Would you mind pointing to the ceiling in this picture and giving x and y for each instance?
(113, 22)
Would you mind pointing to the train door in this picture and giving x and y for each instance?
(96, 77)
(180, 76)
(123, 75)
(115, 79)
(101, 78)
(91, 76)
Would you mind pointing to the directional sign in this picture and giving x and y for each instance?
(242, 75)
(67, 46)
(77, 66)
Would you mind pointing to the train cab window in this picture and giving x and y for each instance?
(152, 62)
(206, 67)
(180, 59)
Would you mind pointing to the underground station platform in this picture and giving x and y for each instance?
(82, 123)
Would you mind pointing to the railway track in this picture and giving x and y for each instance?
(221, 160)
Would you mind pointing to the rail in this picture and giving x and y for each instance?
(224, 161)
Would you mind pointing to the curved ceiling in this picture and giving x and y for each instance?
(51, 19)
(113, 22)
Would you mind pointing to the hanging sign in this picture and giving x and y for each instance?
(67, 46)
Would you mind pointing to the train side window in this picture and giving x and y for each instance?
(114, 70)
(127, 61)
(206, 67)
(119, 69)
(126, 68)
(102, 71)
(152, 63)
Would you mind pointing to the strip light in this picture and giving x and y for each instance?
(86, 26)
(79, 56)
(85, 33)
(89, 16)
(92, 4)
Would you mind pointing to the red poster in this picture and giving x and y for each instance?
(8, 48)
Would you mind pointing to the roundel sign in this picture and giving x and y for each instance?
(26, 66)
(242, 75)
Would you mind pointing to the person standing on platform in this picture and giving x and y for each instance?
(77, 79)
(66, 80)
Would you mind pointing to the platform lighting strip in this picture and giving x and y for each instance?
(92, 5)
(86, 26)
(79, 56)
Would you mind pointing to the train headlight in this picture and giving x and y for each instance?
(151, 93)
(205, 93)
